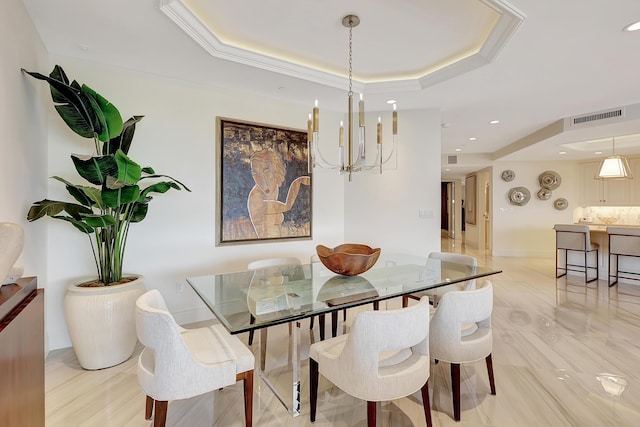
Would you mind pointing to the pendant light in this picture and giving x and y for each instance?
(614, 167)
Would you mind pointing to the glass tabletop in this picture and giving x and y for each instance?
(257, 299)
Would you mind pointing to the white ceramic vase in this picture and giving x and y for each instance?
(11, 241)
(101, 322)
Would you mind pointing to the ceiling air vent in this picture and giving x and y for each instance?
(610, 115)
(452, 160)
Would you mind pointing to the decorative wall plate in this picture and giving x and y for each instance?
(519, 196)
(561, 204)
(549, 180)
(544, 194)
(508, 175)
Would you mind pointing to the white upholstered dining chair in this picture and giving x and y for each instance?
(179, 363)
(435, 294)
(384, 357)
(450, 341)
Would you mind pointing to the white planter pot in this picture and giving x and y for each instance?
(101, 322)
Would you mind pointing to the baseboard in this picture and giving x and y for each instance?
(523, 254)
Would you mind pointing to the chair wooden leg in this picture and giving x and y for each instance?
(376, 305)
(148, 410)
(344, 315)
(405, 301)
(455, 385)
(311, 323)
(321, 322)
(252, 320)
(313, 388)
(492, 383)
(425, 402)
(371, 414)
(334, 323)
(263, 348)
(160, 416)
(247, 378)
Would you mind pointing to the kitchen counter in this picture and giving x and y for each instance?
(603, 227)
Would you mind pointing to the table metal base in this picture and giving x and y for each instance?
(292, 405)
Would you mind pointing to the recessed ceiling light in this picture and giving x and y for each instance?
(473, 138)
(633, 27)
(598, 152)
(562, 152)
(447, 170)
(458, 149)
(391, 101)
(494, 122)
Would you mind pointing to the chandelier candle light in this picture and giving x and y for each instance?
(346, 155)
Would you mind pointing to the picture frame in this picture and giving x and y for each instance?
(263, 183)
(470, 190)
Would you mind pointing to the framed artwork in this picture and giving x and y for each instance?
(263, 186)
(470, 203)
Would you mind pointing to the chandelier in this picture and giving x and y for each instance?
(352, 157)
(614, 167)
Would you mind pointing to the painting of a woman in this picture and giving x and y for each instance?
(264, 188)
(265, 210)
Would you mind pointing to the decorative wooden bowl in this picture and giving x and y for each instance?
(349, 259)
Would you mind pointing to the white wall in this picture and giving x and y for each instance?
(177, 137)
(23, 145)
(382, 210)
(528, 230)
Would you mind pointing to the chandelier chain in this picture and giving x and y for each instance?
(350, 60)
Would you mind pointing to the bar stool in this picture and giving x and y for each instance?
(575, 238)
(623, 242)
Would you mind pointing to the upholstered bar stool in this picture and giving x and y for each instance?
(623, 242)
(575, 238)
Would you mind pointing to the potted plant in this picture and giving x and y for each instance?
(115, 195)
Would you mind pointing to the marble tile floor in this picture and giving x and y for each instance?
(565, 354)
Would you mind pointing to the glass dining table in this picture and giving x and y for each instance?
(256, 300)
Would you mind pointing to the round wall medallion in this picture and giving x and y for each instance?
(508, 175)
(549, 180)
(561, 204)
(519, 196)
(544, 194)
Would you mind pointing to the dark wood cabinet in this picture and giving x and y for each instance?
(22, 354)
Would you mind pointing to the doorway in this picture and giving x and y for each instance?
(450, 209)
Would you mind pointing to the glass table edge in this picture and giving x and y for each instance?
(328, 309)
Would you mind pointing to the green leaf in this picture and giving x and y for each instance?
(139, 211)
(171, 178)
(148, 169)
(122, 141)
(88, 196)
(77, 224)
(158, 187)
(129, 171)
(95, 169)
(72, 105)
(54, 207)
(120, 196)
(99, 221)
(107, 113)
